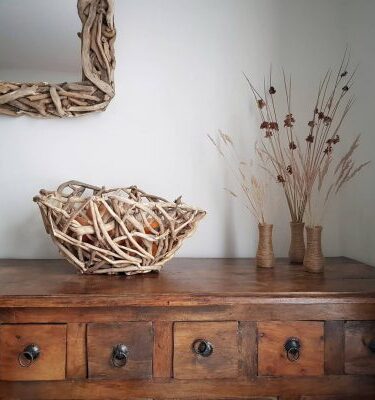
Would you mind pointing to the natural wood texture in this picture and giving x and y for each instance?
(76, 356)
(112, 231)
(96, 90)
(340, 397)
(186, 389)
(222, 363)
(359, 359)
(50, 365)
(102, 338)
(256, 311)
(163, 349)
(272, 355)
(248, 347)
(195, 282)
(233, 296)
(333, 347)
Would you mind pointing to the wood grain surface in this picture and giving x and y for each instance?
(222, 363)
(359, 359)
(201, 389)
(50, 365)
(102, 338)
(184, 282)
(245, 312)
(272, 355)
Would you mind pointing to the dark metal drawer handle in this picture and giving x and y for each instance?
(293, 348)
(120, 355)
(203, 347)
(29, 355)
(371, 345)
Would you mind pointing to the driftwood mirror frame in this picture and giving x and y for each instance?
(97, 88)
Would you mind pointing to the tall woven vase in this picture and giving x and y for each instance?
(297, 243)
(265, 257)
(314, 259)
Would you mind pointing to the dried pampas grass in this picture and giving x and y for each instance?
(251, 189)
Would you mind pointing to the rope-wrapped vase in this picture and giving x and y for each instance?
(264, 256)
(314, 259)
(111, 231)
(297, 243)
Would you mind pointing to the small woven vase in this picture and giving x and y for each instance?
(314, 259)
(297, 243)
(264, 257)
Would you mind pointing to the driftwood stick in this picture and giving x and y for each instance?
(98, 62)
(75, 87)
(6, 98)
(6, 87)
(77, 95)
(86, 59)
(99, 44)
(7, 111)
(20, 105)
(95, 107)
(78, 102)
(94, 45)
(110, 15)
(57, 101)
(38, 97)
(36, 105)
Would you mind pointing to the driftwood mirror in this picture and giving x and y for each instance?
(71, 99)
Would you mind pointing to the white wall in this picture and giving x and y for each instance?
(179, 77)
(357, 211)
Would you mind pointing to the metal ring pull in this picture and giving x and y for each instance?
(292, 347)
(29, 354)
(203, 347)
(120, 355)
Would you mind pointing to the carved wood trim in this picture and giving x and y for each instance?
(97, 88)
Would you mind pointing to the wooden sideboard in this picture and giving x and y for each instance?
(200, 329)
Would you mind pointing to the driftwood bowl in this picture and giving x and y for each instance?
(112, 231)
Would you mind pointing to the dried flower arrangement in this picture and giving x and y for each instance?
(303, 169)
(252, 193)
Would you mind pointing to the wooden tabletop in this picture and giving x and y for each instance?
(55, 283)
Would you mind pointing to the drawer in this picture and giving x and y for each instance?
(120, 351)
(32, 352)
(205, 350)
(338, 397)
(304, 342)
(360, 347)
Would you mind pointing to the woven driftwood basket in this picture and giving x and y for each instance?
(111, 231)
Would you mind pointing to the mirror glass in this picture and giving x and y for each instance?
(38, 41)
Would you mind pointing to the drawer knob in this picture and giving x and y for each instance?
(292, 347)
(120, 355)
(371, 345)
(203, 347)
(29, 355)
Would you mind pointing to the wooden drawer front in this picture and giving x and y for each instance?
(49, 365)
(339, 397)
(103, 338)
(221, 363)
(360, 347)
(273, 360)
